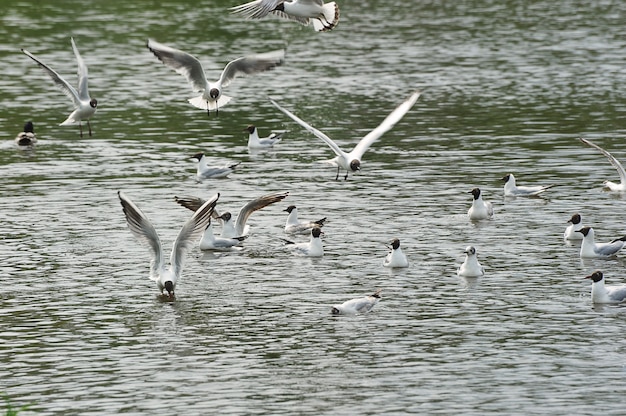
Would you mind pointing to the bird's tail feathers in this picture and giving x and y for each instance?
(201, 103)
(328, 19)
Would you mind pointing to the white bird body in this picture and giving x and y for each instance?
(143, 230)
(590, 249)
(295, 226)
(27, 138)
(191, 68)
(572, 230)
(351, 162)
(471, 267)
(358, 305)
(511, 189)
(204, 171)
(480, 210)
(616, 187)
(601, 293)
(324, 17)
(210, 242)
(395, 257)
(313, 248)
(85, 106)
(254, 142)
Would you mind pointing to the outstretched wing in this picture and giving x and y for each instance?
(256, 9)
(618, 166)
(185, 64)
(62, 84)
(251, 64)
(83, 89)
(255, 205)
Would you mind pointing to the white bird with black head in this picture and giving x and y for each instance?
(323, 16)
(480, 210)
(511, 188)
(256, 142)
(27, 138)
(471, 267)
(358, 305)
(205, 171)
(294, 226)
(572, 230)
(601, 293)
(590, 249)
(395, 258)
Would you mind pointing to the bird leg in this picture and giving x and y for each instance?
(80, 125)
(345, 178)
(89, 125)
(337, 176)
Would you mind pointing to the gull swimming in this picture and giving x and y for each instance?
(313, 248)
(572, 230)
(510, 189)
(589, 249)
(27, 137)
(324, 17)
(210, 242)
(143, 230)
(605, 294)
(85, 106)
(480, 210)
(358, 305)
(617, 187)
(204, 171)
(352, 161)
(470, 267)
(395, 257)
(294, 226)
(239, 228)
(254, 142)
(191, 68)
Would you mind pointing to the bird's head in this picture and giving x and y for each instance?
(225, 217)
(470, 250)
(355, 165)
(250, 129)
(475, 192)
(595, 276)
(290, 208)
(93, 103)
(585, 231)
(198, 156)
(576, 219)
(169, 286)
(214, 93)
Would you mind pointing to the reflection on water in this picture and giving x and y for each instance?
(506, 88)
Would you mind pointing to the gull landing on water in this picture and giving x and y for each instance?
(352, 161)
(605, 294)
(617, 187)
(358, 305)
(143, 230)
(324, 17)
(85, 106)
(511, 189)
(191, 68)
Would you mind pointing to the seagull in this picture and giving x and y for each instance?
(240, 228)
(590, 249)
(510, 189)
(293, 226)
(142, 229)
(254, 142)
(617, 187)
(396, 257)
(605, 294)
(324, 17)
(470, 267)
(191, 68)
(27, 137)
(480, 210)
(358, 305)
(572, 230)
(210, 242)
(313, 248)
(85, 106)
(205, 171)
(352, 161)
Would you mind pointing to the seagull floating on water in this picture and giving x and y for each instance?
(324, 17)
(210, 242)
(358, 305)
(313, 248)
(395, 257)
(480, 210)
(605, 294)
(352, 161)
(617, 187)
(572, 230)
(143, 230)
(27, 138)
(239, 228)
(471, 267)
(589, 249)
(510, 189)
(191, 68)
(254, 142)
(85, 106)
(294, 226)
(204, 171)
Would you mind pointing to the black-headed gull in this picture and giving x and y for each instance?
(323, 16)
(85, 106)
(589, 248)
(358, 305)
(239, 228)
(256, 142)
(605, 294)
(480, 210)
(204, 171)
(294, 226)
(314, 248)
(571, 231)
(210, 242)
(617, 187)
(27, 137)
(511, 189)
(191, 68)
(470, 267)
(352, 161)
(395, 257)
(143, 230)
